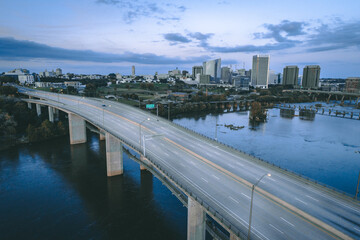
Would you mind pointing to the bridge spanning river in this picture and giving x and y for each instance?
(216, 180)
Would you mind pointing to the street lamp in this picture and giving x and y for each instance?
(251, 204)
(148, 119)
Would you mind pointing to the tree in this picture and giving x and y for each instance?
(112, 76)
(257, 113)
(71, 90)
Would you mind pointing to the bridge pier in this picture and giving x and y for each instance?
(77, 128)
(57, 114)
(101, 135)
(38, 109)
(114, 156)
(142, 167)
(196, 221)
(29, 104)
(51, 114)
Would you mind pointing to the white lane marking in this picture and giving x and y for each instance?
(357, 229)
(166, 154)
(312, 198)
(182, 164)
(276, 228)
(215, 177)
(259, 233)
(193, 163)
(230, 165)
(300, 201)
(205, 180)
(245, 195)
(287, 222)
(241, 165)
(233, 199)
(217, 153)
(271, 179)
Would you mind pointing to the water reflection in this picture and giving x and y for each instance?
(54, 190)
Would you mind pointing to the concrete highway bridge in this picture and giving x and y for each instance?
(338, 95)
(245, 198)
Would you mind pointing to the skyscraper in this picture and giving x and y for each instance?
(226, 75)
(196, 70)
(213, 68)
(260, 71)
(133, 70)
(290, 75)
(311, 76)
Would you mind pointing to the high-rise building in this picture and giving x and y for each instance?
(213, 68)
(58, 72)
(226, 75)
(290, 75)
(133, 70)
(196, 70)
(260, 71)
(311, 76)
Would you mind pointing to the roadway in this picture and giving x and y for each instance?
(285, 207)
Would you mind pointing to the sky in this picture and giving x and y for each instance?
(109, 36)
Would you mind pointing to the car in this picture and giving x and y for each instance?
(104, 105)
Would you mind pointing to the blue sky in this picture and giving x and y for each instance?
(103, 36)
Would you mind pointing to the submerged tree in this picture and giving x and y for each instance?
(257, 113)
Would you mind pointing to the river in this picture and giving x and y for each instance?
(52, 190)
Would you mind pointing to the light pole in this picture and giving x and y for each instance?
(147, 119)
(251, 204)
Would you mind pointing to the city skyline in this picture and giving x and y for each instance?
(106, 36)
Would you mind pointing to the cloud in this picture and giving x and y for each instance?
(110, 2)
(175, 38)
(329, 37)
(200, 36)
(281, 32)
(250, 48)
(135, 10)
(12, 49)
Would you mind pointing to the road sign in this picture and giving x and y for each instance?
(150, 106)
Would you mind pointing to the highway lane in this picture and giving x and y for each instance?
(183, 139)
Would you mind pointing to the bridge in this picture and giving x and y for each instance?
(246, 197)
(350, 96)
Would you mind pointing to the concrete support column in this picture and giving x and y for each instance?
(57, 114)
(38, 109)
(142, 167)
(77, 129)
(114, 155)
(234, 237)
(29, 105)
(102, 136)
(196, 221)
(51, 114)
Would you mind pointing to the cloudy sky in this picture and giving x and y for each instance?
(103, 36)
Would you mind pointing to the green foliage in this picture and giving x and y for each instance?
(8, 90)
(7, 79)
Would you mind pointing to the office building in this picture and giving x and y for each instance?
(205, 79)
(311, 76)
(260, 71)
(58, 72)
(133, 70)
(213, 68)
(291, 75)
(196, 70)
(226, 75)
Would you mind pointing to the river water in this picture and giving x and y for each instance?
(52, 190)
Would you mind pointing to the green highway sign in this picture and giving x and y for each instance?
(150, 106)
